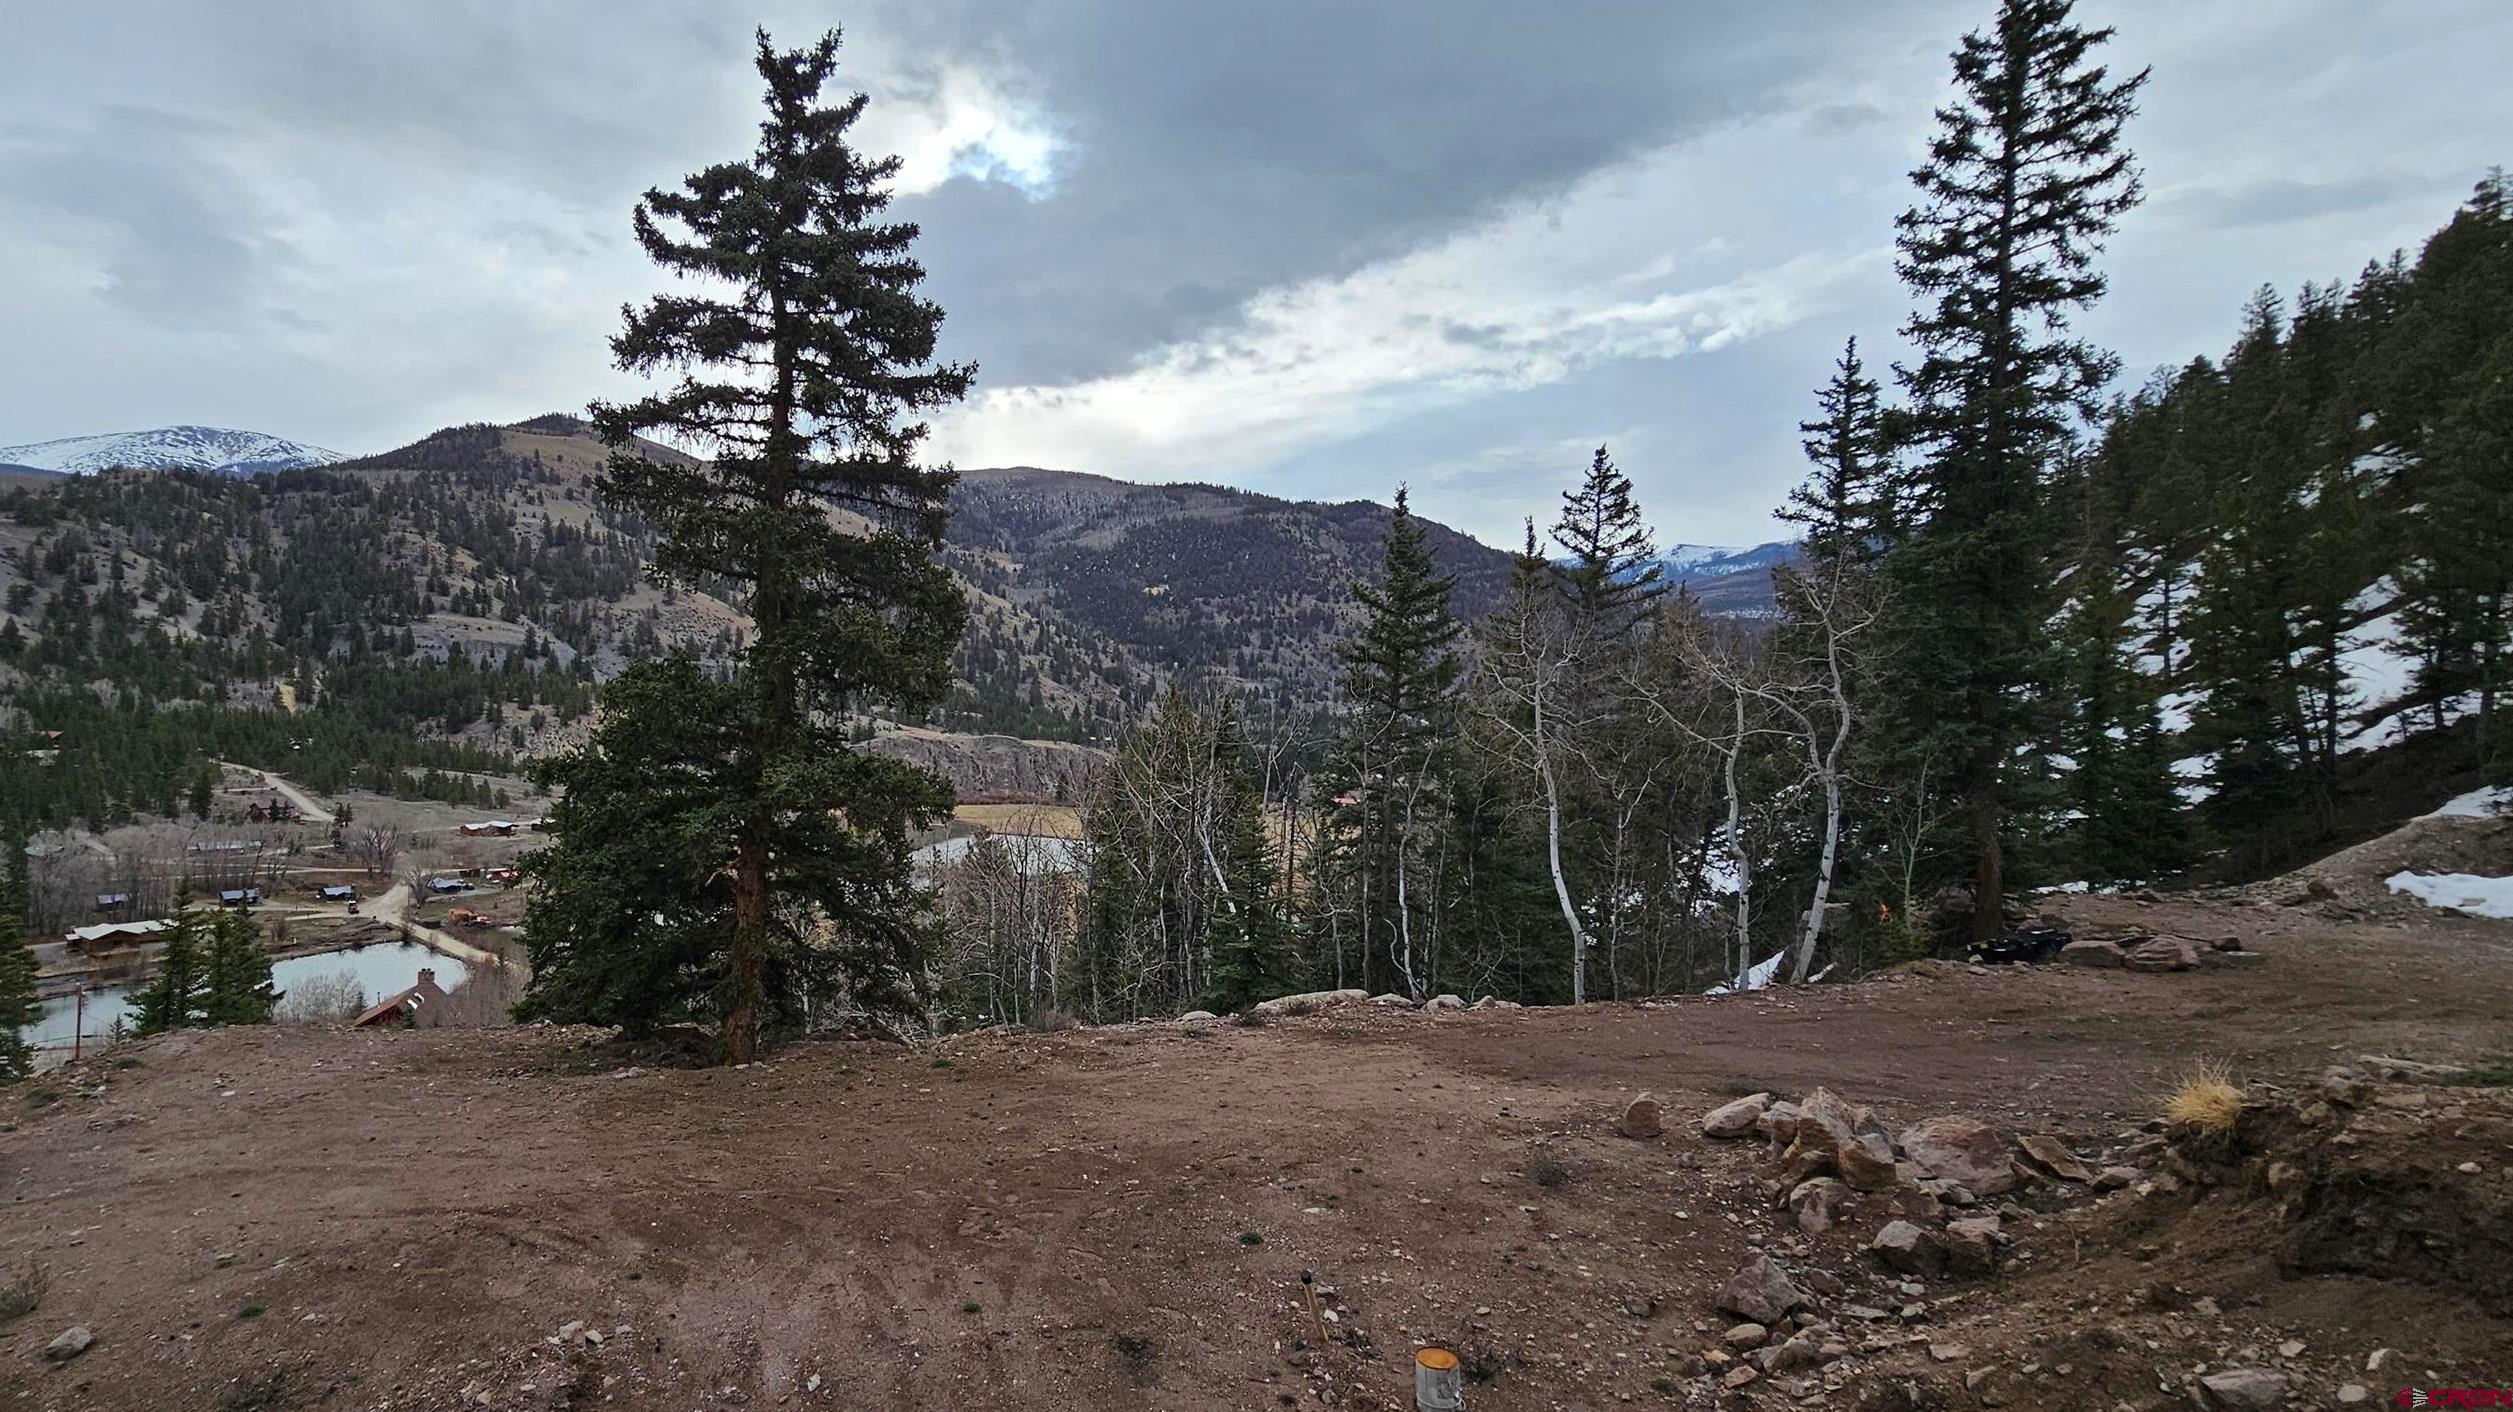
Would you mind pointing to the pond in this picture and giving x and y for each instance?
(380, 969)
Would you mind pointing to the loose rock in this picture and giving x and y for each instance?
(1746, 1336)
(1816, 1203)
(2114, 1178)
(2053, 1156)
(1641, 1118)
(2244, 1388)
(1909, 1249)
(1762, 1292)
(69, 1343)
(2092, 952)
(2164, 953)
(1962, 1150)
(1735, 1119)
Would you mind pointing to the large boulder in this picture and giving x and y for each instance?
(1641, 1118)
(1909, 1249)
(1310, 1000)
(1817, 1203)
(1762, 1292)
(2092, 951)
(2163, 953)
(1735, 1119)
(1962, 1150)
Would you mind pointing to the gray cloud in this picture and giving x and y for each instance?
(1306, 245)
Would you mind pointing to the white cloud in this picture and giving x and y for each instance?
(960, 122)
(1530, 297)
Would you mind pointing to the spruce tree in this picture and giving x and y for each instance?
(1609, 569)
(1252, 958)
(175, 1000)
(2024, 179)
(1382, 795)
(799, 382)
(1845, 509)
(238, 989)
(19, 1007)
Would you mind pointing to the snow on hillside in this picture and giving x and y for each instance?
(1695, 562)
(2473, 893)
(219, 450)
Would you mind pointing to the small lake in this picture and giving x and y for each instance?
(1037, 853)
(381, 969)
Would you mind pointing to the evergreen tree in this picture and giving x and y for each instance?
(1252, 955)
(19, 1007)
(2024, 179)
(1845, 509)
(1609, 570)
(175, 1000)
(238, 988)
(1382, 797)
(811, 507)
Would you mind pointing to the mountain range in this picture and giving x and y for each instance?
(216, 450)
(1088, 596)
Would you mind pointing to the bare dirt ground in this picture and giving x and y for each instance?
(1118, 1217)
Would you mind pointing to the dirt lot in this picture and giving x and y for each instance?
(1118, 1218)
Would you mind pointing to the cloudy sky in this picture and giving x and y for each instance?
(1311, 247)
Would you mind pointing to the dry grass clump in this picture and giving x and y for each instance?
(2206, 1101)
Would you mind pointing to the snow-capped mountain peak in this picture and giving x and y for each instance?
(218, 450)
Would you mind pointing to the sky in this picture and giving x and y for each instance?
(1315, 248)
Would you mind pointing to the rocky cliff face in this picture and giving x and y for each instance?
(998, 769)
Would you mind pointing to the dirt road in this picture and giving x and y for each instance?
(393, 906)
(1118, 1218)
(307, 808)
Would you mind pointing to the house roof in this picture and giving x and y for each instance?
(102, 930)
(409, 1001)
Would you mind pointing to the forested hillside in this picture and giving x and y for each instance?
(2300, 552)
(452, 604)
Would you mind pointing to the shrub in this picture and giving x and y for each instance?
(333, 999)
(2206, 1101)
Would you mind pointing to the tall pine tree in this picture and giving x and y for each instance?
(176, 999)
(1383, 795)
(799, 383)
(2024, 179)
(19, 1007)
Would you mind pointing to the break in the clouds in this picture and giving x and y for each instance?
(1313, 248)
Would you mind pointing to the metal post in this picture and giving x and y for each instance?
(1438, 1381)
(78, 1021)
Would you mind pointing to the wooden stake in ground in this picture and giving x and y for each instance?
(1309, 1291)
(1439, 1384)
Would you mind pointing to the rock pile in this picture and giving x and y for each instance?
(2135, 948)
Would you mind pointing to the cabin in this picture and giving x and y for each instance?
(491, 828)
(421, 1005)
(338, 894)
(447, 887)
(113, 902)
(240, 897)
(114, 936)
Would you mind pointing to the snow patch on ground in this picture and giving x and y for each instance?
(1756, 977)
(2477, 804)
(2461, 892)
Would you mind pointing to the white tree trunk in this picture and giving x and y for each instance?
(1553, 847)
